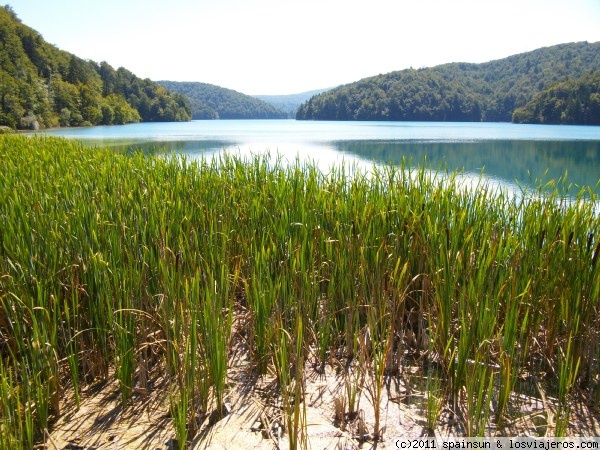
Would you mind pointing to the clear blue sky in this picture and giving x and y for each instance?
(292, 46)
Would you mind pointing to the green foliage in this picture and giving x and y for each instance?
(457, 91)
(570, 102)
(289, 103)
(213, 102)
(406, 95)
(42, 86)
(133, 263)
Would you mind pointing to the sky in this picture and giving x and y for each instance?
(293, 46)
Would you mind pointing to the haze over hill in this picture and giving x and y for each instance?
(291, 102)
(460, 91)
(209, 101)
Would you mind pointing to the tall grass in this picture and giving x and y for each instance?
(125, 264)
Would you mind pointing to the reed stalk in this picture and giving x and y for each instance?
(135, 263)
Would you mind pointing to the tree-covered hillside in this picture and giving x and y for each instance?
(213, 102)
(570, 102)
(289, 103)
(42, 86)
(458, 91)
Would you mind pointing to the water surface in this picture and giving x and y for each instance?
(511, 154)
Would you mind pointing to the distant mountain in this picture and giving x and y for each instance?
(458, 91)
(289, 103)
(42, 86)
(213, 102)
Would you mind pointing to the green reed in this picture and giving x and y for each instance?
(215, 331)
(137, 266)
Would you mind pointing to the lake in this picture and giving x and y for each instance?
(509, 154)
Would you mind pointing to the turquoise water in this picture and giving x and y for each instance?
(510, 154)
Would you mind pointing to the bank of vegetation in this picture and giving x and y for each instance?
(138, 267)
(208, 101)
(490, 91)
(42, 86)
(570, 102)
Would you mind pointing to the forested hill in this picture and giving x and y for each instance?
(42, 86)
(456, 92)
(213, 102)
(289, 103)
(575, 101)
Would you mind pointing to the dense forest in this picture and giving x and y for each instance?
(570, 102)
(213, 102)
(42, 86)
(490, 91)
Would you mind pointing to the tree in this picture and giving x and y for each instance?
(458, 92)
(42, 86)
(575, 101)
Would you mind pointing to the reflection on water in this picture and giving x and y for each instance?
(520, 162)
(523, 163)
(191, 148)
(508, 154)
